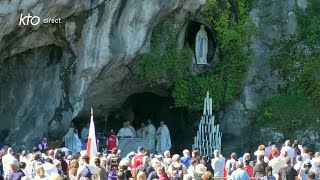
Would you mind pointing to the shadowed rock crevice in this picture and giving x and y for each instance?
(51, 73)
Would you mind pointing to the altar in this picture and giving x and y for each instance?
(126, 145)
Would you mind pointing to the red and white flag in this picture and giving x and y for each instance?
(92, 143)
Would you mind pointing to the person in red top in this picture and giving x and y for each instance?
(248, 168)
(112, 141)
(162, 173)
(274, 148)
(137, 159)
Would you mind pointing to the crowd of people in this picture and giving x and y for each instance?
(289, 162)
(158, 140)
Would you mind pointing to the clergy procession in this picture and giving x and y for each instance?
(146, 154)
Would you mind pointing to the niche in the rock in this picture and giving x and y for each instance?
(192, 30)
(138, 107)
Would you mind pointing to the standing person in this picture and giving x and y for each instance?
(276, 162)
(163, 138)
(162, 173)
(99, 172)
(207, 164)
(125, 131)
(290, 151)
(248, 168)
(85, 170)
(217, 164)
(303, 174)
(304, 154)
(16, 172)
(186, 159)
(239, 173)
(287, 172)
(78, 143)
(316, 164)
(84, 135)
(261, 150)
(298, 164)
(141, 132)
(72, 173)
(231, 164)
(268, 175)
(44, 144)
(70, 140)
(260, 167)
(132, 129)
(141, 176)
(177, 170)
(40, 173)
(112, 141)
(6, 159)
(268, 149)
(145, 166)
(192, 167)
(150, 136)
(137, 159)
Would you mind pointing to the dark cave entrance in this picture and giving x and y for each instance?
(192, 29)
(138, 107)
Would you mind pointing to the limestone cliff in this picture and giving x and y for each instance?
(52, 72)
(274, 20)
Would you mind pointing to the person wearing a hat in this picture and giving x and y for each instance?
(137, 159)
(303, 174)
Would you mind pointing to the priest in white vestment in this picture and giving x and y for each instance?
(150, 136)
(141, 132)
(163, 139)
(125, 132)
(132, 129)
(71, 142)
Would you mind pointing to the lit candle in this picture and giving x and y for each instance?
(204, 106)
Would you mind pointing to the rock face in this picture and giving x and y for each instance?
(274, 20)
(52, 72)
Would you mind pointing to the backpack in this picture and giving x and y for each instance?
(177, 173)
(286, 174)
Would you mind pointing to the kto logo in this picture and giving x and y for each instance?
(25, 20)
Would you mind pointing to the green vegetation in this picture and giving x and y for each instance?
(234, 31)
(165, 61)
(288, 113)
(298, 63)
